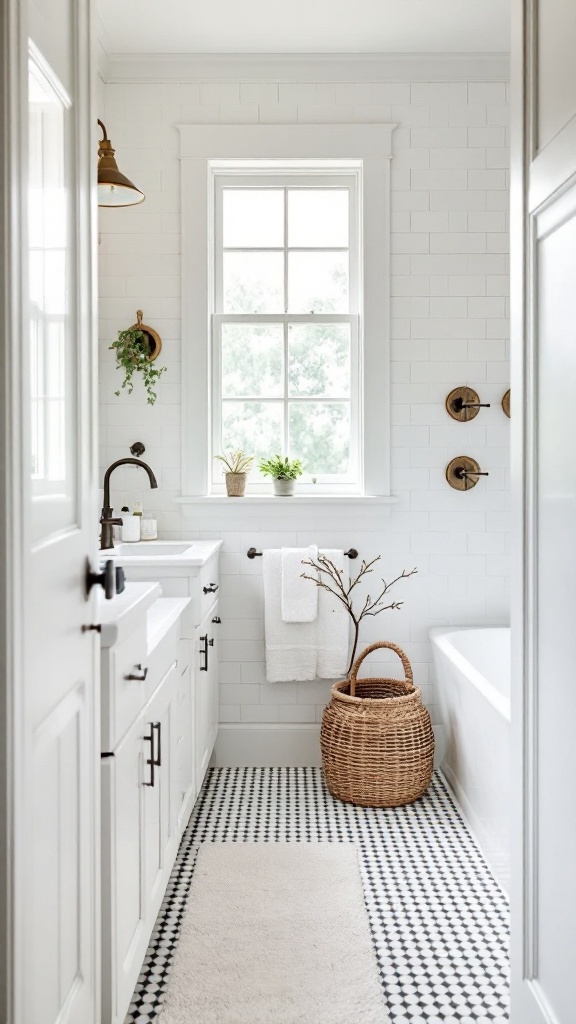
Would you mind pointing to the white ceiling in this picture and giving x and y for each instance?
(305, 26)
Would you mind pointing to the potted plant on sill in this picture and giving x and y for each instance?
(284, 473)
(237, 465)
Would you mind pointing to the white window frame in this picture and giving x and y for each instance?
(287, 177)
(350, 150)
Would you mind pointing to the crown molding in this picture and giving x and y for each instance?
(162, 68)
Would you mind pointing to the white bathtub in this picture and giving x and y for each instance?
(472, 670)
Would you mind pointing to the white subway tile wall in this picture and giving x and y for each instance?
(449, 320)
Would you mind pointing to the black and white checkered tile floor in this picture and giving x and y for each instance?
(438, 918)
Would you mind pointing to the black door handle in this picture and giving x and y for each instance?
(106, 578)
(211, 588)
(120, 579)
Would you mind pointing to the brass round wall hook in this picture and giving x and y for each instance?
(463, 404)
(153, 339)
(506, 403)
(462, 473)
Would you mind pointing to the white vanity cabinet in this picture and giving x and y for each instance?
(143, 787)
(159, 719)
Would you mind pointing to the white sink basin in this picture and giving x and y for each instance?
(155, 554)
(151, 549)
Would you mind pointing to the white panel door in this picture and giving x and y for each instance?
(543, 887)
(54, 971)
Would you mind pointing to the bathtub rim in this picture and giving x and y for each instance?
(440, 637)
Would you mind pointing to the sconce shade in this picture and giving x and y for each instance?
(114, 188)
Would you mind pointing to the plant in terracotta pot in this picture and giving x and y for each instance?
(132, 352)
(236, 466)
(284, 473)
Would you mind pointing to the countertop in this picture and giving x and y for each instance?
(196, 554)
(122, 615)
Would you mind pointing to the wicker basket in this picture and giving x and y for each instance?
(376, 738)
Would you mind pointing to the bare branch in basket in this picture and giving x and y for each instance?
(331, 580)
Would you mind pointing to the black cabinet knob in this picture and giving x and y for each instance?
(211, 588)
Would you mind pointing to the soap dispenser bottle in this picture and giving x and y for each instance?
(130, 527)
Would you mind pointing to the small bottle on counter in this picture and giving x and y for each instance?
(130, 527)
(148, 527)
(137, 508)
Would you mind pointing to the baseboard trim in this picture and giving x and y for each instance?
(267, 746)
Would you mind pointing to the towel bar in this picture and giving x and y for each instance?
(252, 553)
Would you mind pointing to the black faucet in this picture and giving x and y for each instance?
(106, 519)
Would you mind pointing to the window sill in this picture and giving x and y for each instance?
(262, 500)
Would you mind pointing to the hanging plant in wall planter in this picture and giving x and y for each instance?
(284, 473)
(136, 349)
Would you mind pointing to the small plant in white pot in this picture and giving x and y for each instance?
(284, 473)
(236, 465)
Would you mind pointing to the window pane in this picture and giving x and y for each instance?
(318, 282)
(252, 360)
(319, 360)
(255, 427)
(253, 218)
(253, 282)
(318, 218)
(320, 436)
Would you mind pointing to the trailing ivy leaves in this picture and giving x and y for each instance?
(133, 355)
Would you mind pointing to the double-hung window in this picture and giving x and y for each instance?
(286, 321)
(285, 305)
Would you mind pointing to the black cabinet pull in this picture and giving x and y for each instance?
(138, 678)
(217, 620)
(158, 758)
(211, 588)
(204, 653)
(151, 760)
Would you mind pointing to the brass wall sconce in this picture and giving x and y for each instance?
(114, 188)
(506, 403)
(153, 339)
(463, 404)
(462, 473)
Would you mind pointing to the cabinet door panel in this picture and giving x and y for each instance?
(206, 703)
(158, 820)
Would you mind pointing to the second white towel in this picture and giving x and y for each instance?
(290, 646)
(332, 628)
(299, 597)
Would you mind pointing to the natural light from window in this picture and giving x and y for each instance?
(285, 326)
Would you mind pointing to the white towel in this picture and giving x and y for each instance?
(333, 629)
(290, 646)
(299, 597)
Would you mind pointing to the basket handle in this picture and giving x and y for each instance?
(374, 647)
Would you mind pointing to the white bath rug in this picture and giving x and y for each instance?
(275, 933)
